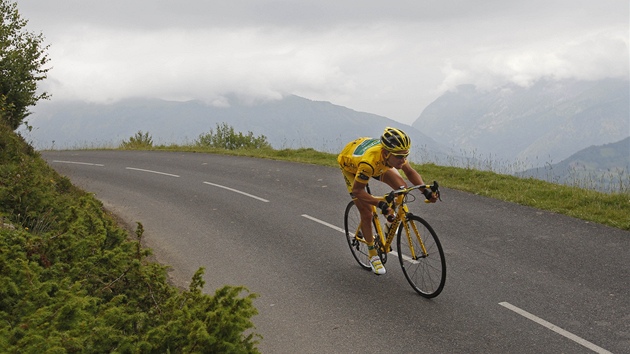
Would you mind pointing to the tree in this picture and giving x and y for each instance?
(22, 60)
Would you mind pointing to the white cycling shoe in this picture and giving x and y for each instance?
(377, 265)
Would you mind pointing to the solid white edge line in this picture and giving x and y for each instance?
(156, 172)
(237, 191)
(79, 163)
(555, 328)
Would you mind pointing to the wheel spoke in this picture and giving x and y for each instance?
(352, 222)
(426, 273)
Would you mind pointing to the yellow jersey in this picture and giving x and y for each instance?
(363, 159)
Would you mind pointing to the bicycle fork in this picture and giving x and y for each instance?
(412, 250)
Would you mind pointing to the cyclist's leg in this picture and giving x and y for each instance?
(365, 210)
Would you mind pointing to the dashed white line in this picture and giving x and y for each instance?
(324, 223)
(150, 171)
(79, 163)
(237, 191)
(336, 228)
(555, 328)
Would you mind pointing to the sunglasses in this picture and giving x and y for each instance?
(400, 156)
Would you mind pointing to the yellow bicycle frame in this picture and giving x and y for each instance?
(387, 240)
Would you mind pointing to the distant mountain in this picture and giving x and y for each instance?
(604, 167)
(292, 122)
(536, 125)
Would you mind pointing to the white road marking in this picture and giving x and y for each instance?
(343, 231)
(79, 163)
(555, 328)
(325, 223)
(150, 171)
(237, 191)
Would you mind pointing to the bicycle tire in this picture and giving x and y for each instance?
(352, 221)
(425, 274)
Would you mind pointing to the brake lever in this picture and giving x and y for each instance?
(435, 188)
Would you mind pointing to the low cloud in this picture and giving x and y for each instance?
(391, 59)
(589, 56)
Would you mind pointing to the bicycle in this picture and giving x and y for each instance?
(418, 248)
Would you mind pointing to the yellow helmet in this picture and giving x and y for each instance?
(395, 140)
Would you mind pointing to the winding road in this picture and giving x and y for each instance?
(519, 280)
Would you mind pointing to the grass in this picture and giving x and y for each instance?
(612, 209)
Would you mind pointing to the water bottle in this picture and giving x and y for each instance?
(388, 222)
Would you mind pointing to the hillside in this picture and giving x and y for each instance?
(73, 281)
(292, 122)
(604, 167)
(537, 125)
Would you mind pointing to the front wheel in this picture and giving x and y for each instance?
(358, 246)
(421, 257)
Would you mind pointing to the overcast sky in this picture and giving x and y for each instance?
(390, 58)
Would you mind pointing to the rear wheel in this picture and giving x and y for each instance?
(352, 223)
(424, 267)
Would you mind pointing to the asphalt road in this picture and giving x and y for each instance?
(519, 280)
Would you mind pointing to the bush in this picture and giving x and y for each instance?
(71, 280)
(226, 138)
(139, 141)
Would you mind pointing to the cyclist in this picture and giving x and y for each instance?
(366, 158)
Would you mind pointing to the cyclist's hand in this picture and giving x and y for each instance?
(429, 195)
(386, 210)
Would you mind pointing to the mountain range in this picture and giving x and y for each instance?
(539, 125)
(546, 122)
(292, 122)
(603, 167)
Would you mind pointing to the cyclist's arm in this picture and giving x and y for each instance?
(364, 172)
(412, 175)
(415, 178)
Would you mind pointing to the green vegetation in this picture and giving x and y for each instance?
(226, 138)
(610, 209)
(71, 280)
(138, 142)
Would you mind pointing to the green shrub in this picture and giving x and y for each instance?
(71, 280)
(226, 138)
(139, 141)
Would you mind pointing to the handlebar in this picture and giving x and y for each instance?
(389, 199)
(434, 188)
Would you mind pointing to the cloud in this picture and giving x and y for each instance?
(584, 56)
(388, 58)
(195, 64)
